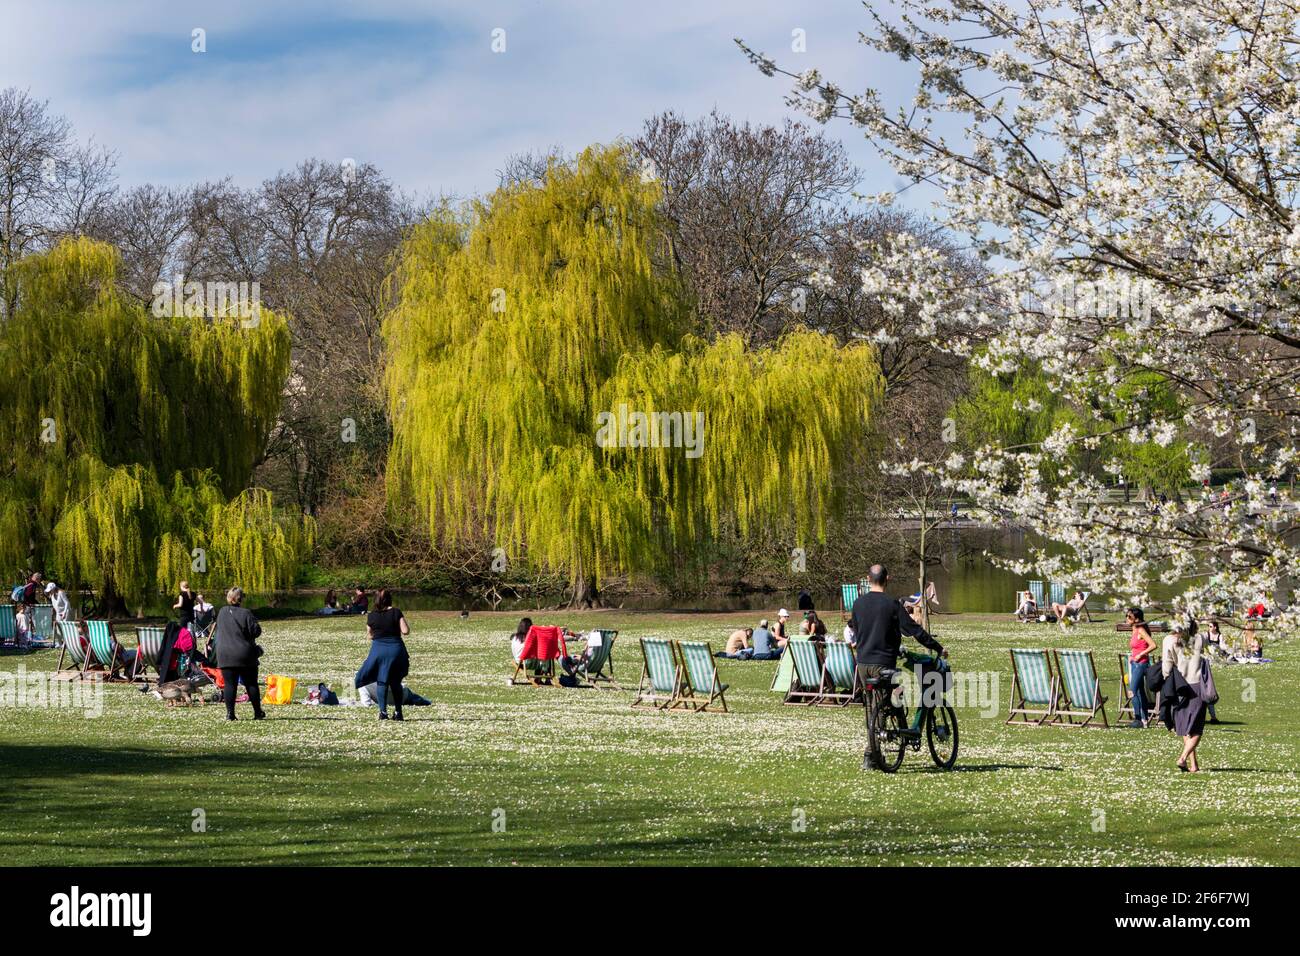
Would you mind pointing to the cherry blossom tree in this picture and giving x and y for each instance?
(1128, 171)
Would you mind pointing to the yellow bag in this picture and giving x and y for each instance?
(279, 690)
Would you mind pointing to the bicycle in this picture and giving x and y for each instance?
(888, 732)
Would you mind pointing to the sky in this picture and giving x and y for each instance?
(415, 87)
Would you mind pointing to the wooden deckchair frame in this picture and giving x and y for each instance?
(115, 658)
(1016, 706)
(1068, 708)
(832, 695)
(655, 698)
(691, 696)
(797, 694)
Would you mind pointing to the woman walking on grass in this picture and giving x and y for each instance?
(1180, 664)
(388, 661)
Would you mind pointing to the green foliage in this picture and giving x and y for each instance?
(523, 318)
(131, 438)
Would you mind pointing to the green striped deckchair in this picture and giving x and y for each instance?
(784, 675)
(8, 624)
(1058, 593)
(1036, 589)
(104, 648)
(42, 626)
(1125, 692)
(1080, 688)
(1033, 687)
(661, 678)
(848, 595)
(841, 675)
(149, 642)
(74, 647)
(701, 686)
(806, 684)
(599, 667)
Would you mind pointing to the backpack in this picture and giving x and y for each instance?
(16, 595)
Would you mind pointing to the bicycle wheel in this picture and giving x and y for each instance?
(885, 741)
(941, 734)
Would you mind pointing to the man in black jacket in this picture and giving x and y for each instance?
(880, 622)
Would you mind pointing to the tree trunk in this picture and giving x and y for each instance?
(112, 604)
(585, 592)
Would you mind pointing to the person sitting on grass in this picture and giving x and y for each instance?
(1069, 611)
(739, 641)
(360, 602)
(816, 627)
(763, 644)
(779, 632)
(331, 605)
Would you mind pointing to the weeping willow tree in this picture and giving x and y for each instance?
(130, 439)
(546, 388)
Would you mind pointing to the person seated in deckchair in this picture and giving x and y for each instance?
(1070, 610)
(850, 635)
(593, 641)
(517, 638)
(1028, 610)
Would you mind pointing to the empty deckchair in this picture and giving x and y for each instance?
(1080, 688)
(841, 676)
(8, 624)
(106, 651)
(784, 674)
(42, 623)
(543, 646)
(74, 647)
(1036, 589)
(806, 683)
(700, 686)
(149, 644)
(661, 677)
(848, 595)
(1058, 593)
(1033, 687)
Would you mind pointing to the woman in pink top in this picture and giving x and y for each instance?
(1140, 646)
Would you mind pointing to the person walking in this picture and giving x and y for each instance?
(235, 645)
(1182, 703)
(1140, 646)
(388, 661)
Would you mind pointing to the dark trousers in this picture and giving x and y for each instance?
(382, 691)
(231, 676)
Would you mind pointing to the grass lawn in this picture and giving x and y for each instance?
(581, 777)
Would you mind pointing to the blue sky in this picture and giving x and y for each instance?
(413, 87)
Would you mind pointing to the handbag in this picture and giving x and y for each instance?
(1209, 693)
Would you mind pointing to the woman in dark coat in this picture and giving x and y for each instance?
(235, 645)
(388, 661)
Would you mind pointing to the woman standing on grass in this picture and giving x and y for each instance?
(388, 661)
(235, 645)
(1140, 646)
(1180, 664)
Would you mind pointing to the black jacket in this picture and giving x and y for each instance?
(1174, 692)
(235, 637)
(879, 622)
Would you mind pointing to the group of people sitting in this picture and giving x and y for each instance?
(360, 602)
(767, 641)
(1062, 614)
(586, 646)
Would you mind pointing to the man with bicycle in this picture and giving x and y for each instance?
(880, 622)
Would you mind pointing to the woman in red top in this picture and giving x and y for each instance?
(1140, 646)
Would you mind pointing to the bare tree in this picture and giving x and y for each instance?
(50, 186)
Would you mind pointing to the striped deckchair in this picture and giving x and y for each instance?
(1083, 611)
(841, 675)
(74, 647)
(104, 648)
(661, 677)
(149, 642)
(42, 626)
(1125, 692)
(848, 595)
(806, 683)
(1033, 687)
(8, 624)
(599, 667)
(701, 686)
(1058, 593)
(1080, 689)
(1036, 589)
